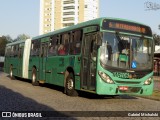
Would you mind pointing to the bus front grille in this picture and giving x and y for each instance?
(131, 90)
(127, 82)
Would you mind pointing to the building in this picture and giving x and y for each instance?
(57, 14)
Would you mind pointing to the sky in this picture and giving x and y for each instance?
(22, 16)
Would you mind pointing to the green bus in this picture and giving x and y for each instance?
(105, 56)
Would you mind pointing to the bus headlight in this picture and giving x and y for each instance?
(105, 77)
(148, 81)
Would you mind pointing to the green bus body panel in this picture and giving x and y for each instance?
(55, 67)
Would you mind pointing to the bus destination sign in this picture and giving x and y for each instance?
(127, 27)
(123, 26)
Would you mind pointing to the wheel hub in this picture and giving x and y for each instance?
(70, 84)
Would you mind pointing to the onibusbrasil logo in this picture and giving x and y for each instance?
(151, 6)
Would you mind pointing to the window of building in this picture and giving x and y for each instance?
(68, 19)
(68, 7)
(86, 6)
(68, 24)
(68, 2)
(69, 13)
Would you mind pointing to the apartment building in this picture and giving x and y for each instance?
(57, 14)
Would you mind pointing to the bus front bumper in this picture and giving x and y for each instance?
(117, 89)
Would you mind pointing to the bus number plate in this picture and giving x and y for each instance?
(123, 88)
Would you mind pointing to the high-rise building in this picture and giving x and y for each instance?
(57, 14)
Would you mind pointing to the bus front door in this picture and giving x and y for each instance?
(88, 68)
(43, 57)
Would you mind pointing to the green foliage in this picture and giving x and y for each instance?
(3, 42)
(156, 39)
(22, 37)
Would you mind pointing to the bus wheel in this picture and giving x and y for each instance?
(70, 86)
(34, 77)
(11, 73)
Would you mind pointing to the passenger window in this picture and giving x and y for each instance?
(75, 44)
(35, 48)
(63, 47)
(53, 45)
(15, 50)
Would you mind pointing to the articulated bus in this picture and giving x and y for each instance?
(104, 56)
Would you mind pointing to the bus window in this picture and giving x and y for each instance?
(75, 44)
(35, 48)
(15, 50)
(20, 52)
(53, 46)
(63, 48)
(8, 50)
(93, 48)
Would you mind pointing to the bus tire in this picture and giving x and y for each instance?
(34, 77)
(11, 73)
(70, 85)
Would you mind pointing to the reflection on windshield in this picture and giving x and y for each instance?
(126, 51)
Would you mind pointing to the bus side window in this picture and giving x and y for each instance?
(75, 43)
(15, 50)
(20, 52)
(53, 46)
(7, 53)
(65, 40)
(35, 48)
(71, 43)
(63, 48)
(32, 51)
(93, 48)
(11, 52)
(78, 39)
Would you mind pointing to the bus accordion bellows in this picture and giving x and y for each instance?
(105, 56)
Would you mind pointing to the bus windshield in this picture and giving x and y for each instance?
(126, 52)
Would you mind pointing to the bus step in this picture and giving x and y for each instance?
(42, 81)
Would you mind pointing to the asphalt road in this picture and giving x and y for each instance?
(20, 95)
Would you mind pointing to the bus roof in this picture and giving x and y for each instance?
(97, 21)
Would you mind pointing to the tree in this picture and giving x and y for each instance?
(3, 42)
(156, 39)
(22, 37)
(8, 38)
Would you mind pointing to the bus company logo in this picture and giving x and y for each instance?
(6, 114)
(151, 6)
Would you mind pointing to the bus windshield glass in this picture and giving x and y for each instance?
(126, 52)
